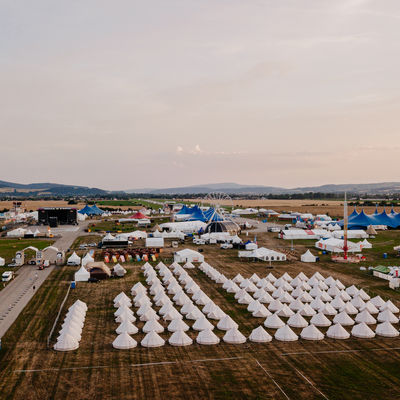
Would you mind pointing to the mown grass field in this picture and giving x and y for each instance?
(329, 369)
(8, 247)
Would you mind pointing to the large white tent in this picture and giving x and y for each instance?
(82, 275)
(188, 255)
(308, 257)
(74, 259)
(124, 342)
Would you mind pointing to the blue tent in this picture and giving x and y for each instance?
(197, 215)
(384, 219)
(360, 221)
(185, 210)
(96, 210)
(212, 216)
(353, 214)
(86, 210)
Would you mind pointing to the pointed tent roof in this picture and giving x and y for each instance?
(138, 215)
(85, 210)
(360, 220)
(286, 334)
(124, 341)
(185, 210)
(208, 337)
(211, 215)
(234, 336)
(96, 210)
(384, 219)
(260, 335)
(180, 338)
(311, 332)
(152, 339)
(197, 215)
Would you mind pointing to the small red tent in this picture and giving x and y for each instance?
(138, 215)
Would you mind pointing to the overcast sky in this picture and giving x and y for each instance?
(131, 94)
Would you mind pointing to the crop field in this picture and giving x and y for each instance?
(328, 369)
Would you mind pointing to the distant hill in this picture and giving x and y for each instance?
(56, 189)
(234, 188)
(46, 189)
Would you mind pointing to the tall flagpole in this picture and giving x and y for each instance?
(345, 226)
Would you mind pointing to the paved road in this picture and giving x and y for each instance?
(16, 295)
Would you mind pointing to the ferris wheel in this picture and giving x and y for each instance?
(221, 202)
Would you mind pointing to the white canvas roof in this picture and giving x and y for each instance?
(386, 329)
(233, 336)
(308, 257)
(152, 339)
(74, 259)
(82, 275)
(124, 341)
(178, 324)
(226, 323)
(128, 327)
(87, 259)
(311, 332)
(66, 342)
(207, 337)
(285, 334)
(337, 331)
(188, 255)
(180, 338)
(362, 330)
(260, 335)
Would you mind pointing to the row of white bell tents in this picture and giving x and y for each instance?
(297, 319)
(71, 330)
(283, 290)
(258, 335)
(179, 338)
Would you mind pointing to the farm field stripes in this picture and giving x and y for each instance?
(129, 365)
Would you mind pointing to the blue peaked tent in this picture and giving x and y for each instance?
(197, 215)
(359, 221)
(185, 210)
(96, 210)
(86, 210)
(384, 219)
(212, 216)
(362, 220)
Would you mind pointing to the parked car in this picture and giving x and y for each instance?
(226, 246)
(7, 276)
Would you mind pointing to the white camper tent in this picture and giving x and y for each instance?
(87, 259)
(2, 261)
(74, 259)
(308, 257)
(187, 255)
(82, 275)
(119, 270)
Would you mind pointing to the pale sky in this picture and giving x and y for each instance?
(132, 94)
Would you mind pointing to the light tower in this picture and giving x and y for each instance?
(345, 226)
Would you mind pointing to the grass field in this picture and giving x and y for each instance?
(349, 369)
(8, 247)
(137, 203)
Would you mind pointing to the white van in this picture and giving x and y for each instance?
(7, 276)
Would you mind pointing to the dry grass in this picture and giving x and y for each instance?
(349, 369)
